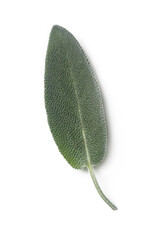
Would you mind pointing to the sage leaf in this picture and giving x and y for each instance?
(74, 105)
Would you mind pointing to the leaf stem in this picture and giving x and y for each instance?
(90, 168)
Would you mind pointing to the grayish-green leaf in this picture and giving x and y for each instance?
(74, 104)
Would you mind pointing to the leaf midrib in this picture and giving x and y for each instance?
(80, 117)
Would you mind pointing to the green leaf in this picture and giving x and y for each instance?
(74, 104)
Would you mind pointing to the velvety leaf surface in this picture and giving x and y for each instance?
(73, 101)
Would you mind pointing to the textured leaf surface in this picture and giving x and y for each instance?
(73, 101)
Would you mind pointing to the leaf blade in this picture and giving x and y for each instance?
(77, 85)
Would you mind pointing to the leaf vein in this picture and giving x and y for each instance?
(80, 117)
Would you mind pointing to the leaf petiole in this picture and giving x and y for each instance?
(90, 168)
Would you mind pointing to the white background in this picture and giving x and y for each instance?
(41, 195)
